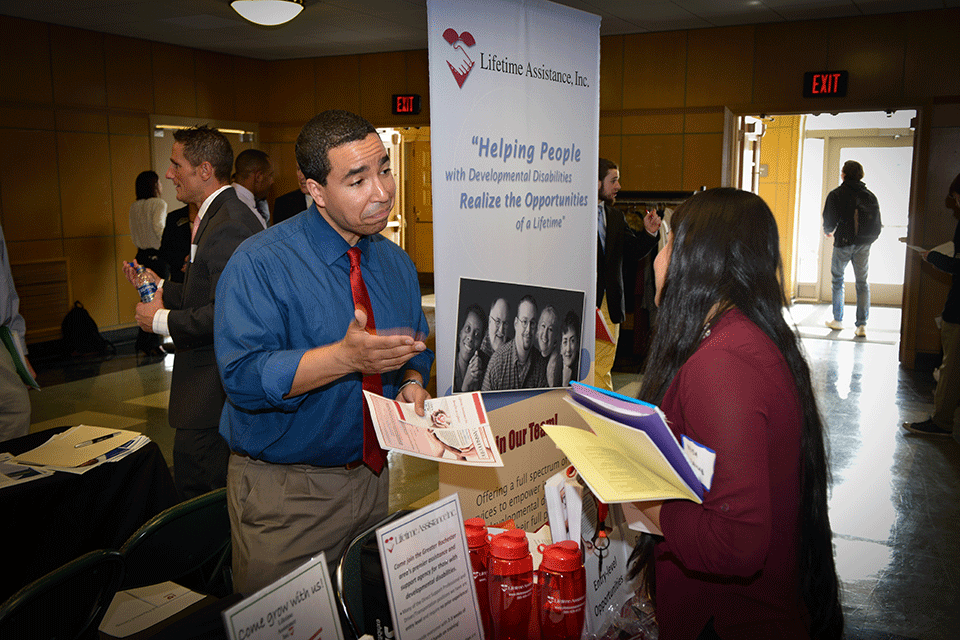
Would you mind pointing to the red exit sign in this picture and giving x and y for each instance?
(406, 104)
(817, 84)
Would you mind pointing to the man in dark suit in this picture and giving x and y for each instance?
(616, 244)
(175, 241)
(200, 166)
(290, 204)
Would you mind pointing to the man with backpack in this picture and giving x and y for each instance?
(851, 215)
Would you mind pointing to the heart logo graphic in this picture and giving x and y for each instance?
(389, 543)
(461, 64)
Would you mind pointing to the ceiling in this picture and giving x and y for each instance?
(340, 27)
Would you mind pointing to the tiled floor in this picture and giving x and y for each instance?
(895, 505)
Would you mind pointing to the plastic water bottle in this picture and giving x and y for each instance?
(476, 529)
(561, 591)
(146, 286)
(510, 584)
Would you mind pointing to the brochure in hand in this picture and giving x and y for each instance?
(630, 454)
(453, 429)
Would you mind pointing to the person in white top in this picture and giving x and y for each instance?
(147, 216)
(148, 213)
(252, 179)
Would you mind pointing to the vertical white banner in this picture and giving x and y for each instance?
(514, 99)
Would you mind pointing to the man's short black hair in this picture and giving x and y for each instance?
(326, 131)
(250, 161)
(606, 166)
(205, 144)
(852, 170)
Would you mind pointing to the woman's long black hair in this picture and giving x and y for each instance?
(146, 184)
(726, 253)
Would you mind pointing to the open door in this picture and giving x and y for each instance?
(750, 132)
(887, 163)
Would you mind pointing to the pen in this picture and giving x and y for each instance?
(95, 440)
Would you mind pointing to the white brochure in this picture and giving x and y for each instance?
(426, 567)
(299, 606)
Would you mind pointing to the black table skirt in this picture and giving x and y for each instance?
(55, 519)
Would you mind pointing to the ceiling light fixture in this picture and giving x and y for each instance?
(268, 12)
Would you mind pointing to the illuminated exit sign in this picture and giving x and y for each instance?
(819, 84)
(406, 104)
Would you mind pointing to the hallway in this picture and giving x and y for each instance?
(895, 504)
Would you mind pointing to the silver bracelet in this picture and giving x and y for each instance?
(410, 381)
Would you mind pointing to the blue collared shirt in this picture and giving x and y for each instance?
(285, 291)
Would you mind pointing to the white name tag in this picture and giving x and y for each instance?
(701, 459)
(193, 252)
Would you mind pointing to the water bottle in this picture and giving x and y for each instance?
(561, 591)
(476, 530)
(510, 585)
(146, 286)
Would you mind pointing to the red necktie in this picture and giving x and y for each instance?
(373, 456)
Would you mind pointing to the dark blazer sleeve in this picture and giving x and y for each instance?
(288, 205)
(622, 245)
(226, 224)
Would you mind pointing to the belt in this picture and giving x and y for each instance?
(350, 466)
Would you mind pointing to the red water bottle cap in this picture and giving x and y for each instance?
(561, 556)
(476, 529)
(510, 545)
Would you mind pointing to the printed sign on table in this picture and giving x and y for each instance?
(426, 566)
(299, 606)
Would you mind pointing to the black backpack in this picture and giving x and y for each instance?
(866, 218)
(81, 336)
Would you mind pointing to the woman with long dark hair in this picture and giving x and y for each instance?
(755, 560)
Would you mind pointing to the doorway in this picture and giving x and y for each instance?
(883, 143)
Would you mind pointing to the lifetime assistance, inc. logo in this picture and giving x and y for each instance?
(461, 63)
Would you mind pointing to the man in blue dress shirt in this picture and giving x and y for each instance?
(292, 350)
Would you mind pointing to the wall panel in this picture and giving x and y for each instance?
(290, 91)
(94, 268)
(720, 66)
(174, 80)
(25, 61)
(129, 155)
(611, 73)
(872, 50)
(783, 53)
(375, 97)
(129, 73)
(700, 165)
(83, 160)
(652, 162)
(338, 84)
(216, 92)
(30, 186)
(654, 70)
(931, 55)
(78, 67)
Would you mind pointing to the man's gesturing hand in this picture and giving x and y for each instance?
(370, 353)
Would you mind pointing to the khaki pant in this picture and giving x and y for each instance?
(947, 396)
(605, 352)
(281, 515)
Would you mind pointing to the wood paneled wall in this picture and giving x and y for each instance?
(74, 107)
(74, 110)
